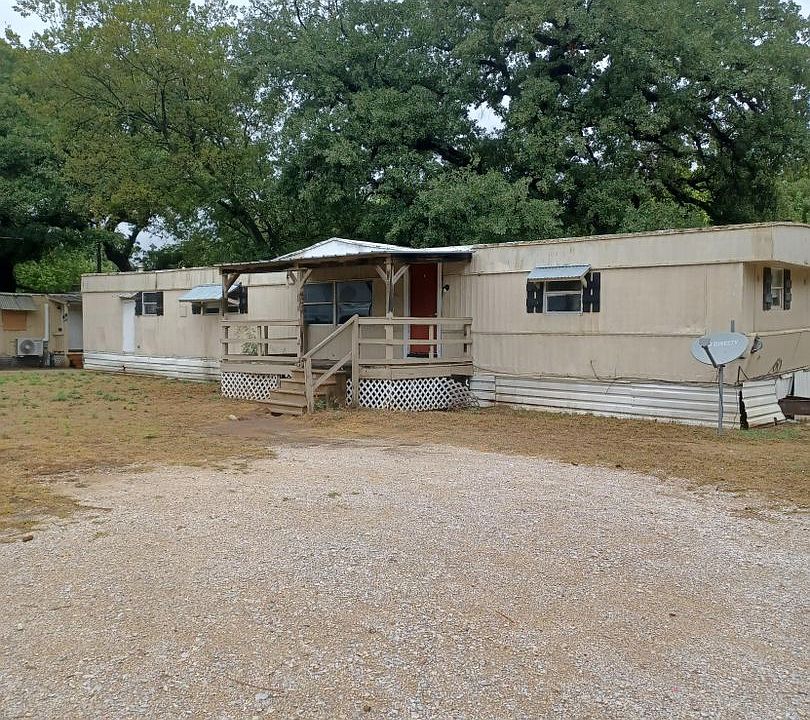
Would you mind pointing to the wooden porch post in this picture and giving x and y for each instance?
(389, 307)
(301, 277)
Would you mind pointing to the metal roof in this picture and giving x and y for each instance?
(13, 301)
(68, 297)
(336, 247)
(341, 250)
(558, 272)
(205, 293)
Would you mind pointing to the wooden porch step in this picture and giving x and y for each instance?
(282, 409)
(282, 397)
(291, 399)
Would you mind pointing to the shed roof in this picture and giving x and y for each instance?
(14, 301)
(68, 297)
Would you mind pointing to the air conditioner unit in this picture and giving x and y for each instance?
(29, 346)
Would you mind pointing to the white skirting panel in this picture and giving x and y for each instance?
(761, 403)
(686, 403)
(248, 386)
(414, 394)
(182, 368)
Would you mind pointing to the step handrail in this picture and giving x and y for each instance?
(311, 386)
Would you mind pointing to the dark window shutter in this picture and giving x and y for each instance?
(159, 304)
(767, 299)
(788, 293)
(534, 297)
(196, 308)
(592, 292)
(139, 303)
(243, 299)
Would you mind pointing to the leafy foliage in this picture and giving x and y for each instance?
(415, 122)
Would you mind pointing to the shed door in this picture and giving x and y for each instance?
(128, 325)
(424, 279)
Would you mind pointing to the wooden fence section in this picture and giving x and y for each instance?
(260, 346)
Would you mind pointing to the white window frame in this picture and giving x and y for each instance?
(153, 304)
(778, 288)
(547, 293)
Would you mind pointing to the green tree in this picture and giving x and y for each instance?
(604, 116)
(158, 121)
(36, 213)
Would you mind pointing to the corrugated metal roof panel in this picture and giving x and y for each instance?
(12, 301)
(558, 272)
(760, 403)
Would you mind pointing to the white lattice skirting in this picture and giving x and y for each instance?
(248, 386)
(439, 393)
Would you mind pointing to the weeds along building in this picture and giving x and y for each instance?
(598, 324)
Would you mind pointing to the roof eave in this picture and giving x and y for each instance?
(360, 259)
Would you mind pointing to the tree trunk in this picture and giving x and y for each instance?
(8, 283)
(120, 257)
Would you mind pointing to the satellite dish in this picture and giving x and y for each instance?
(723, 348)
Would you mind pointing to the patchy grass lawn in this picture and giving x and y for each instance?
(774, 463)
(57, 421)
(54, 422)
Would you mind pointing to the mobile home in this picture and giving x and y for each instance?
(589, 324)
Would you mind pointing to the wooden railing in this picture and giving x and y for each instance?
(311, 385)
(444, 335)
(261, 341)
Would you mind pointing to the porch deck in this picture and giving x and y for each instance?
(363, 348)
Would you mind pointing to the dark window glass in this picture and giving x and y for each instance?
(319, 292)
(354, 298)
(568, 302)
(564, 286)
(318, 314)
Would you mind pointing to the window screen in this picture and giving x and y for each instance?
(319, 303)
(563, 296)
(354, 298)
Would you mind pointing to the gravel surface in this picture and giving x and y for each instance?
(371, 581)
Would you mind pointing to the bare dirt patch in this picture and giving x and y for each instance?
(56, 422)
(771, 464)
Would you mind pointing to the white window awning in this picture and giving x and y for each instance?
(558, 272)
(205, 293)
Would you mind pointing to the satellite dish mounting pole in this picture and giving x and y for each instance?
(720, 400)
(705, 342)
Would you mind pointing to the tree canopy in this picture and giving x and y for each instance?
(414, 122)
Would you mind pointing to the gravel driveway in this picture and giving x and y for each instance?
(366, 581)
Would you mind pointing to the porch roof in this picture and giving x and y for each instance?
(341, 251)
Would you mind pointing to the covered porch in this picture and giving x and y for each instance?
(365, 314)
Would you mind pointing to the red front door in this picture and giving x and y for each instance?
(424, 280)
